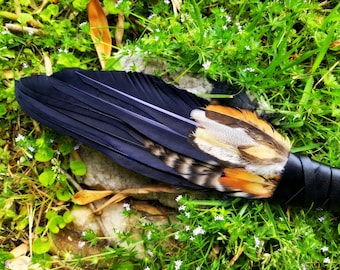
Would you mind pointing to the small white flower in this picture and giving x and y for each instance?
(176, 236)
(147, 268)
(76, 147)
(81, 244)
(151, 16)
(303, 267)
(178, 264)
(227, 18)
(182, 208)
(167, 2)
(327, 260)
(150, 253)
(324, 249)
(118, 3)
(247, 48)
(191, 238)
(82, 24)
(126, 206)
(248, 69)
(218, 218)
(187, 214)
(148, 235)
(19, 138)
(257, 242)
(187, 228)
(206, 65)
(321, 219)
(156, 38)
(31, 148)
(198, 231)
(239, 27)
(25, 65)
(178, 198)
(225, 27)
(5, 32)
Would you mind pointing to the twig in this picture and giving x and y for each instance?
(19, 28)
(92, 207)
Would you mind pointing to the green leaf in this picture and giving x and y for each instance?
(78, 167)
(111, 7)
(3, 109)
(80, 4)
(55, 223)
(49, 12)
(68, 60)
(41, 245)
(125, 266)
(67, 216)
(24, 2)
(47, 178)
(4, 256)
(65, 148)
(63, 195)
(24, 18)
(44, 154)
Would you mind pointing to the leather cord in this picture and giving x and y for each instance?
(305, 182)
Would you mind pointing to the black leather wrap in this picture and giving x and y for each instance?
(305, 182)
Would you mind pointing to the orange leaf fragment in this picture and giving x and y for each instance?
(100, 32)
(87, 196)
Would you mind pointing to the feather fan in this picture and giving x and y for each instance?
(171, 135)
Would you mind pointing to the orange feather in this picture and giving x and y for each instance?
(238, 179)
(252, 119)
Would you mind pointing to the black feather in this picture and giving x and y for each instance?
(107, 111)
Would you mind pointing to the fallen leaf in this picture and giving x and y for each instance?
(87, 196)
(20, 250)
(99, 30)
(119, 29)
(148, 208)
(134, 191)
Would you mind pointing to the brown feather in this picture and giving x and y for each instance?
(238, 179)
(243, 118)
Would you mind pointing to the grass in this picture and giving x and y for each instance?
(286, 52)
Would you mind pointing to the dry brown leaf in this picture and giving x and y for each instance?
(133, 191)
(119, 29)
(20, 250)
(148, 208)
(100, 32)
(48, 64)
(87, 196)
(176, 5)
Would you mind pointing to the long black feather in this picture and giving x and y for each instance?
(94, 108)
